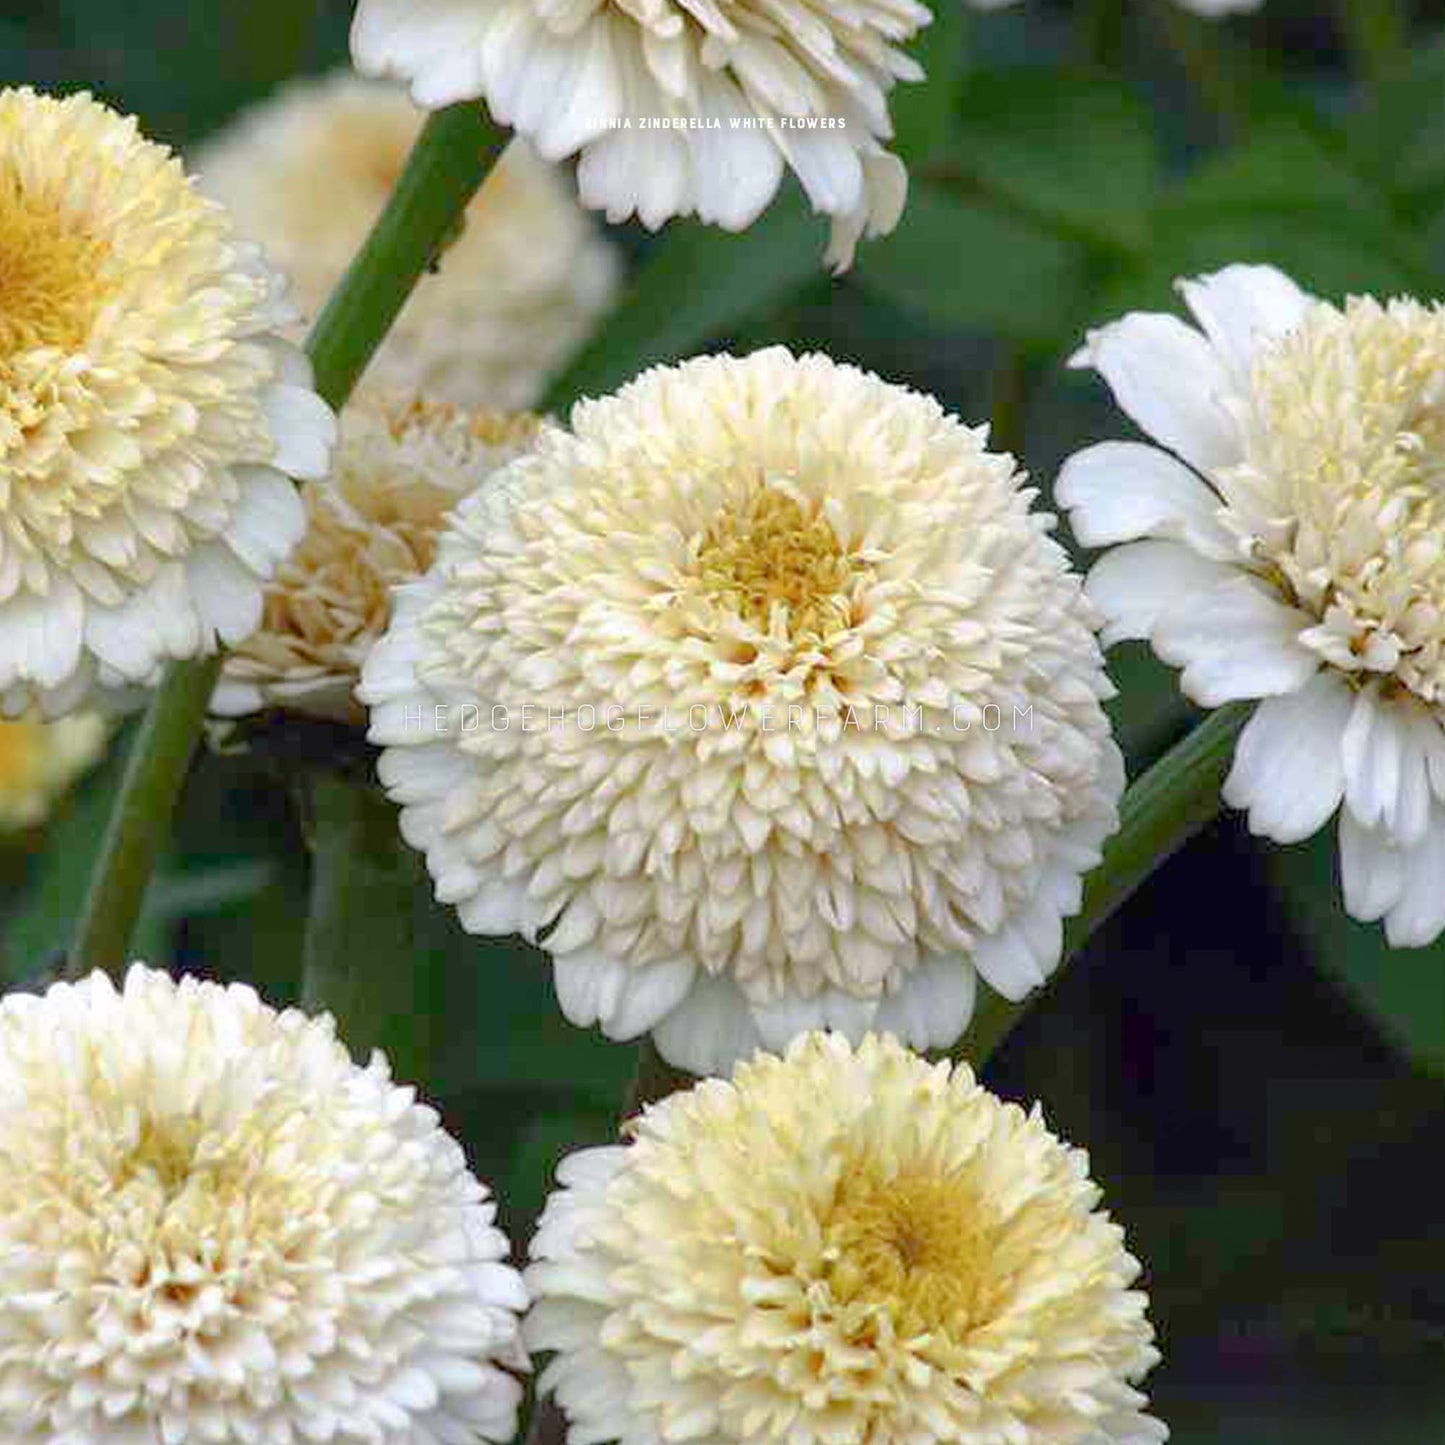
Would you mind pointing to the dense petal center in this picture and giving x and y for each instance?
(51, 272)
(1342, 494)
(774, 560)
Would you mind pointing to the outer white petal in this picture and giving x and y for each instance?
(625, 999)
(1243, 307)
(304, 429)
(1372, 870)
(1120, 491)
(1237, 640)
(1288, 772)
(932, 1007)
(1134, 584)
(710, 1030)
(408, 41)
(40, 636)
(1387, 748)
(1418, 917)
(1169, 379)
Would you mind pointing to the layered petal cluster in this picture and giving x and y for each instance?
(215, 1227)
(763, 700)
(150, 414)
(401, 466)
(839, 1247)
(1286, 541)
(40, 760)
(309, 170)
(676, 109)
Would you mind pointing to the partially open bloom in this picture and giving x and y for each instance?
(840, 1247)
(401, 466)
(39, 761)
(149, 413)
(516, 292)
(215, 1227)
(1286, 541)
(676, 109)
(763, 699)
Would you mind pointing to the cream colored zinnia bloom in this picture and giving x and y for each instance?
(401, 466)
(765, 703)
(1286, 541)
(308, 171)
(214, 1227)
(149, 414)
(39, 761)
(673, 108)
(839, 1248)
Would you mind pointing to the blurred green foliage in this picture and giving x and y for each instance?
(1257, 1078)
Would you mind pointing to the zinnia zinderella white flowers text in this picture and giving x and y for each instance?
(150, 414)
(214, 1227)
(839, 1247)
(850, 592)
(676, 109)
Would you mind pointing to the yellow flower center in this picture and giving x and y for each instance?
(915, 1245)
(773, 553)
(50, 273)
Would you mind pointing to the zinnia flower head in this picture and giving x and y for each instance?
(215, 1227)
(840, 1247)
(149, 415)
(401, 466)
(39, 761)
(1289, 545)
(763, 699)
(676, 109)
(520, 287)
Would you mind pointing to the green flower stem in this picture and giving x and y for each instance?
(1166, 807)
(1377, 34)
(451, 159)
(365, 887)
(140, 822)
(456, 149)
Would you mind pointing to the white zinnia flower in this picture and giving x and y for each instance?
(149, 415)
(797, 711)
(401, 466)
(214, 1227)
(1293, 550)
(518, 290)
(39, 761)
(676, 108)
(839, 1248)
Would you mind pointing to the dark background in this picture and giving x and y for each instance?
(1257, 1079)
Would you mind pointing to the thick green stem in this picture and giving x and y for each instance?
(449, 162)
(140, 823)
(365, 883)
(456, 149)
(1166, 807)
(1377, 34)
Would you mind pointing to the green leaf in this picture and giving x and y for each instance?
(1402, 990)
(1286, 199)
(699, 286)
(1398, 136)
(37, 930)
(965, 264)
(924, 112)
(1074, 152)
